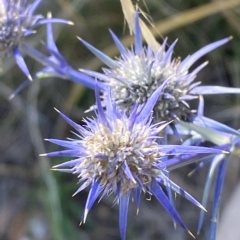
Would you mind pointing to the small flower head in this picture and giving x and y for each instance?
(17, 21)
(138, 72)
(120, 154)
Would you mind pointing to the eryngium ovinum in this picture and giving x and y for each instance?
(139, 71)
(120, 154)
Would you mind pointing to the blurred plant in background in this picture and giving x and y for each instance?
(35, 202)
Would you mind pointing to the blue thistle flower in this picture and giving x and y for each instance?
(119, 153)
(17, 21)
(138, 72)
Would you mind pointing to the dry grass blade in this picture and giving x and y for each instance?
(232, 17)
(129, 13)
(164, 26)
(233, 20)
(193, 15)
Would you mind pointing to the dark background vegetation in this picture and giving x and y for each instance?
(36, 203)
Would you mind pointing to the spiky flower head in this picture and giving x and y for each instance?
(138, 72)
(17, 21)
(120, 154)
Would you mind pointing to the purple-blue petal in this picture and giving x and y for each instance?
(188, 62)
(212, 124)
(70, 164)
(123, 213)
(168, 55)
(64, 153)
(83, 79)
(217, 198)
(72, 123)
(103, 57)
(215, 163)
(33, 6)
(211, 90)
(120, 46)
(21, 63)
(170, 184)
(181, 149)
(82, 187)
(183, 160)
(64, 143)
(20, 88)
(163, 199)
(52, 20)
(93, 194)
(97, 75)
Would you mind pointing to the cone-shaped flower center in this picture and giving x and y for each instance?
(110, 152)
(138, 76)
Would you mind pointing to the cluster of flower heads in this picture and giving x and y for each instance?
(143, 92)
(141, 97)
